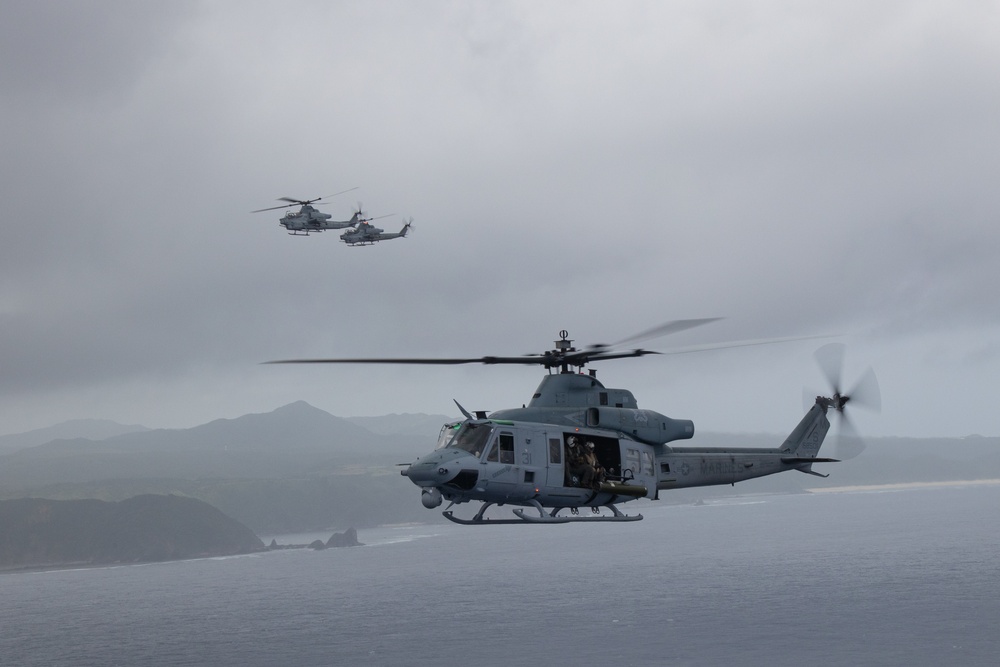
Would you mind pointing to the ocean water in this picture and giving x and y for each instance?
(886, 577)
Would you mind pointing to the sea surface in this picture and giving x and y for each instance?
(901, 576)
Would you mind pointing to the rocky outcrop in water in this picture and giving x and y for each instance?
(348, 538)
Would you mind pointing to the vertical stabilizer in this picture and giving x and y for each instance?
(805, 439)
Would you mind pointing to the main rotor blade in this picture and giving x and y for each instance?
(739, 343)
(586, 356)
(532, 360)
(547, 359)
(665, 329)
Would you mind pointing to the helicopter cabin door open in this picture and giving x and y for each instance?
(606, 449)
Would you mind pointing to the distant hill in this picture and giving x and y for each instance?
(148, 528)
(91, 429)
(294, 469)
(299, 468)
(404, 424)
(293, 440)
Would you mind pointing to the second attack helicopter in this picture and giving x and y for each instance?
(308, 218)
(367, 234)
(578, 444)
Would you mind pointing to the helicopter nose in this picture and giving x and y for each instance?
(431, 473)
(439, 469)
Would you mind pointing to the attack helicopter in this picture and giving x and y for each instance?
(367, 234)
(578, 444)
(308, 218)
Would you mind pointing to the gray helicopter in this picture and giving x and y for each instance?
(367, 234)
(578, 444)
(308, 218)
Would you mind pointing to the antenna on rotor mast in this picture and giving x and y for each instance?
(564, 343)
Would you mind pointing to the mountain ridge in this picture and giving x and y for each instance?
(91, 429)
(294, 439)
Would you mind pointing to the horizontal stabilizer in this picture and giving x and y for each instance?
(793, 460)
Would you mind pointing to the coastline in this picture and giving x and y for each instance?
(900, 486)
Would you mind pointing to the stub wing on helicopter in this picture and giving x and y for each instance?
(579, 445)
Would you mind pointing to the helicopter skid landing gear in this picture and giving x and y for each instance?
(480, 520)
(616, 515)
(543, 516)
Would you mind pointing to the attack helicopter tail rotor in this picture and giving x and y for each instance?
(864, 394)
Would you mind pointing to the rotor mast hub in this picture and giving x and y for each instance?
(563, 347)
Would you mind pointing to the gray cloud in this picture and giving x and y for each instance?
(600, 168)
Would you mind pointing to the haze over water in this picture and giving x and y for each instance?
(887, 577)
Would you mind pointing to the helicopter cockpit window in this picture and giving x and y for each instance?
(448, 432)
(472, 438)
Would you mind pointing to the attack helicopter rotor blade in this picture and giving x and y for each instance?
(339, 193)
(274, 208)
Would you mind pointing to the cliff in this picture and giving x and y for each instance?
(148, 528)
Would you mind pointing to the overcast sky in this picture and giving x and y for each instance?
(798, 169)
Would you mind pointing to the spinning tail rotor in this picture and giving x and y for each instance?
(864, 394)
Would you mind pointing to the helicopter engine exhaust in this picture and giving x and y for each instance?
(430, 498)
